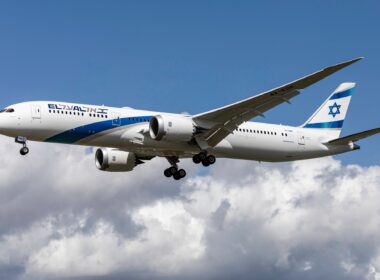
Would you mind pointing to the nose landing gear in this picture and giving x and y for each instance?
(22, 140)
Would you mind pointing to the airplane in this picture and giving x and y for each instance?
(128, 137)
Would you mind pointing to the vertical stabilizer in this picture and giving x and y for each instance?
(330, 116)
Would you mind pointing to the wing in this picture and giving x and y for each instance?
(354, 137)
(217, 124)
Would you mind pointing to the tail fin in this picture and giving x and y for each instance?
(330, 116)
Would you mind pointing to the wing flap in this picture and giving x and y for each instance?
(354, 137)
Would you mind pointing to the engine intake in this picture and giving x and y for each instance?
(156, 128)
(171, 128)
(114, 160)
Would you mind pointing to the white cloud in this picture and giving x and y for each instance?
(60, 217)
(171, 239)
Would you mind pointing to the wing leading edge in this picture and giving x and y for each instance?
(219, 123)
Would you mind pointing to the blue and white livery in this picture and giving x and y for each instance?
(127, 137)
(332, 112)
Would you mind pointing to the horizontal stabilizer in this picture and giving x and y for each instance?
(354, 137)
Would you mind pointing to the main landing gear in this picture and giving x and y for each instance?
(177, 174)
(22, 140)
(204, 158)
(173, 170)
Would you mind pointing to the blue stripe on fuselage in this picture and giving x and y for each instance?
(342, 94)
(337, 124)
(81, 132)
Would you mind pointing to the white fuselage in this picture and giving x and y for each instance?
(128, 129)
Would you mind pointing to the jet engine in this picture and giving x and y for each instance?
(171, 128)
(114, 160)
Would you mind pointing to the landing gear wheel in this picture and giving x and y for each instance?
(173, 169)
(24, 151)
(176, 176)
(196, 159)
(211, 159)
(202, 156)
(182, 173)
(205, 162)
(22, 140)
(167, 173)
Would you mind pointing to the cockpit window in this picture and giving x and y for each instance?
(7, 110)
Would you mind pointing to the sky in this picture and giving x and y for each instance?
(60, 218)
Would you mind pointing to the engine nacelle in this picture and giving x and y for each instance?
(171, 128)
(114, 160)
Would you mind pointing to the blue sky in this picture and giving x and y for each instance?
(191, 55)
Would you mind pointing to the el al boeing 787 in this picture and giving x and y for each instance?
(127, 137)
